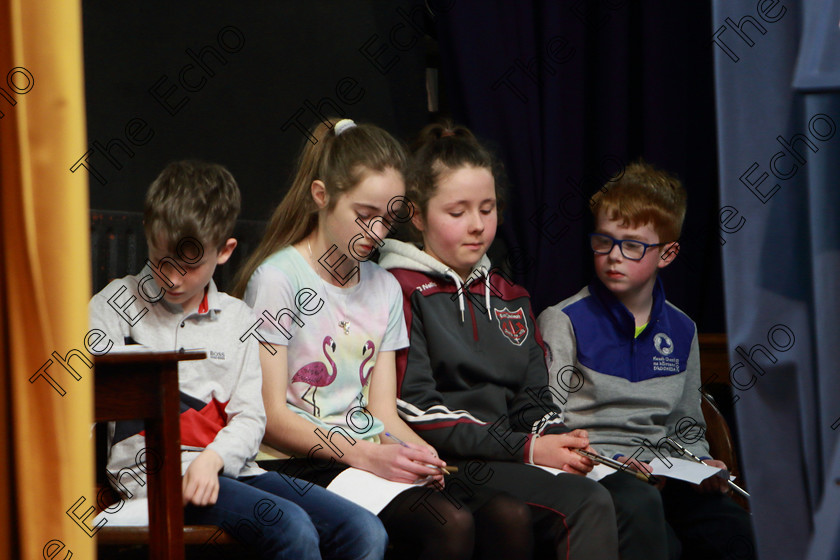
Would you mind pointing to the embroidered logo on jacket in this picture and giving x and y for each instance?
(663, 344)
(658, 341)
(216, 355)
(512, 324)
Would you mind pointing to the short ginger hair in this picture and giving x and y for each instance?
(642, 194)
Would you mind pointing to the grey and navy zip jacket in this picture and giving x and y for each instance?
(473, 383)
(626, 390)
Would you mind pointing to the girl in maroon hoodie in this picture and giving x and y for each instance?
(474, 382)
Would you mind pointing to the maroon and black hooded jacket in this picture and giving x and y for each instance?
(473, 383)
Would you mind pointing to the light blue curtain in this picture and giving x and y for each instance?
(777, 72)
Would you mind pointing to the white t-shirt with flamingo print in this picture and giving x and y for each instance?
(329, 361)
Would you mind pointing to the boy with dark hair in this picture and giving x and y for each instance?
(638, 356)
(173, 304)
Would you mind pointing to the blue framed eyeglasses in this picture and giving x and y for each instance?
(633, 250)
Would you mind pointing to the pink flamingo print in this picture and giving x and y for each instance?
(316, 375)
(364, 378)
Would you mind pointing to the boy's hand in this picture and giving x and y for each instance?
(556, 450)
(635, 464)
(200, 484)
(715, 483)
(642, 467)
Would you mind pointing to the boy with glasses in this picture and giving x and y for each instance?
(637, 363)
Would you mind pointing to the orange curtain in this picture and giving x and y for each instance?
(47, 452)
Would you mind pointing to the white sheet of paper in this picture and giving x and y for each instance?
(552, 470)
(683, 469)
(680, 469)
(131, 349)
(597, 473)
(366, 489)
(133, 513)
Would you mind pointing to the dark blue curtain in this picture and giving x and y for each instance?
(571, 91)
(777, 70)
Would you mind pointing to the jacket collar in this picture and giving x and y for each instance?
(210, 303)
(398, 254)
(618, 312)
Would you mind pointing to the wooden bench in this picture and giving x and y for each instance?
(714, 359)
(121, 542)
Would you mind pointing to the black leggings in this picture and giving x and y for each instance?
(477, 523)
(424, 523)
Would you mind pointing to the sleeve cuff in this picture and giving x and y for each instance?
(555, 428)
(232, 464)
(528, 450)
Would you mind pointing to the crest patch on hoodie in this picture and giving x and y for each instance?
(512, 324)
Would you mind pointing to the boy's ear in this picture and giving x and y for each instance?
(226, 251)
(669, 254)
(319, 193)
(417, 220)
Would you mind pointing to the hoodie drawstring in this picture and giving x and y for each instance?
(465, 286)
(398, 254)
(460, 286)
(486, 292)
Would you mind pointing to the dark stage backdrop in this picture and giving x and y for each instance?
(571, 91)
(236, 83)
(568, 91)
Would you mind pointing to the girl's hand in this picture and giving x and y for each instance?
(557, 450)
(425, 448)
(436, 479)
(200, 484)
(409, 463)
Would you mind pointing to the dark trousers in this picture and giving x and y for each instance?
(643, 533)
(708, 525)
(573, 516)
(680, 522)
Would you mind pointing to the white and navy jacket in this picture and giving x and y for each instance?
(623, 389)
(473, 383)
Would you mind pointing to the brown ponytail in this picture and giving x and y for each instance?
(442, 148)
